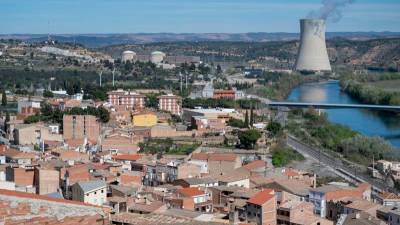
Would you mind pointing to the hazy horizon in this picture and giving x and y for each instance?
(187, 16)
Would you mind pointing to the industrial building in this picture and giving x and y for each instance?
(312, 56)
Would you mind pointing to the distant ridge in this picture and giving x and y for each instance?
(100, 40)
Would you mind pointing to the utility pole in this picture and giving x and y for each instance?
(180, 75)
(113, 73)
(101, 73)
(186, 77)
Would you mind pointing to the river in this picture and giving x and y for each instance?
(367, 122)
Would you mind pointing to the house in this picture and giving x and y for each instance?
(362, 218)
(126, 160)
(21, 176)
(256, 166)
(196, 182)
(35, 134)
(217, 163)
(224, 94)
(238, 177)
(321, 195)
(299, 212)
(388, 199)
(71, 175)
(19, 157)
(91, 192)
(204, 124)
(195, 199)
(70, 155)
(286, 189)
(261, 208)
(120, 142)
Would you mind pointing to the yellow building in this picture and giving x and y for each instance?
(144, 119)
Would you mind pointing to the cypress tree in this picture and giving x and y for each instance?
(4, 98)
(246, 119)
(251, 117)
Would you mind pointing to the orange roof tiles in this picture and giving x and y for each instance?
(255, 165)
(291, 173)
(222, 157)
(190, 192)
(129, 157)
(262, 197)
(200, 156)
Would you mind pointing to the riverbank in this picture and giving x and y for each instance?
(277, 86)
(340, 141)
(366, 122)
(375, 89)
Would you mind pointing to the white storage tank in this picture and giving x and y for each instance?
(129, 56)
(157, 57)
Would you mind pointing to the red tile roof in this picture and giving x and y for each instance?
(41, 197)
(200, 156)
(130, 157)
(262, 197)
(291, 173)
(222, 157)
(255, 165)
(190, 192)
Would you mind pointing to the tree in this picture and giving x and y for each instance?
(103, 114)
(274, 128)
(4, 98)
(246, 119)
(48, 94)
(236, 123)
(251, 117)
(6, 122)
(249, 138)
(151, 101)
(219, 69)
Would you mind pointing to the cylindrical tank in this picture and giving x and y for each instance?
(312, 55)
(129, 56)
(157, 57)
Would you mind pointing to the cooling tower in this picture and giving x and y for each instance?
(312, 56)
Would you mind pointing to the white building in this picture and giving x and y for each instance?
(91, 192)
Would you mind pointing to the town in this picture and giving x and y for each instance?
(199, 128)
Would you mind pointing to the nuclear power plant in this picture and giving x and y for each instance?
(312, 55)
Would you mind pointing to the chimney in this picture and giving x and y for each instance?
(312, 55)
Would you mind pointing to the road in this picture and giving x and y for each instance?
(346, 171)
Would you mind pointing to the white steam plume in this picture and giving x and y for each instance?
(330, 9)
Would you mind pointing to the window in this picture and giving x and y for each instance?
(94, 192)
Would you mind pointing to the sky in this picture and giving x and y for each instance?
(186, 16)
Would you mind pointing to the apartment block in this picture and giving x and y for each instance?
(80, 127)
(126, 99)
(170, 103)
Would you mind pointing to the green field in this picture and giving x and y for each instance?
(387, 85)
